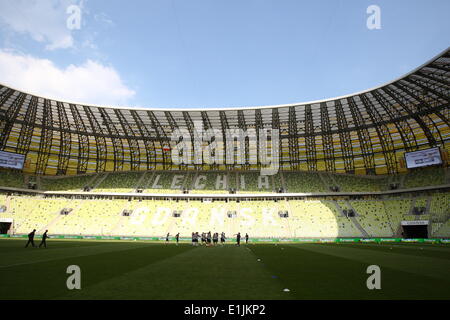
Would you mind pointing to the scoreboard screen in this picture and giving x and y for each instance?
(11, 160)
(423, 158)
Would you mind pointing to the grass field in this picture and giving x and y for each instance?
(142, 270)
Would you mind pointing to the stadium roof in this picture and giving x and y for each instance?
(366, 132)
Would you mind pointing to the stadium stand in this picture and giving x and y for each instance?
(305, 218)
(352, 183)
(440, 214)
(425, 177)
(31, 213)
(74, 183)
(90, 217)
(210, 182)
(304, 182)
(222, 182)
(254, 182)
(373, 218)
(165, 182)
(119, 182)
(443, 230)
(12, 179)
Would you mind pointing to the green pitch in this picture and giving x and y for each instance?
(142, 270)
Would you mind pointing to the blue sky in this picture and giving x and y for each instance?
(211, 53)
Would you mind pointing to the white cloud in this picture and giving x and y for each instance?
(44, 21)
(90, 82)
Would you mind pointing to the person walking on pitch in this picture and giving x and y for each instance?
(238, 239)
(215, 238)
(208, 239)
(31, 239)
(44, 239)
(196, 236)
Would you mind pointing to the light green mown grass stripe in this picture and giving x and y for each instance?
(427, 266)
(46, 280)
(314, 275)
(227, 272)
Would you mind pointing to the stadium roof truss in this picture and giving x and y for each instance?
(366, 132)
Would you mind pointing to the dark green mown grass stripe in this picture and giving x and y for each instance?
(424, 266)
(404, 276)
(417, 249)
(46, 280)
(227, 272)
(314, 275)
(311, 275)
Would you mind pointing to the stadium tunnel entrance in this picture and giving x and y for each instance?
(5, 227)
(415, 231)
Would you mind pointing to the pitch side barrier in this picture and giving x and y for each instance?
(198, 196)
(255, 240)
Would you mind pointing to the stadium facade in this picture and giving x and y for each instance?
(363, 133)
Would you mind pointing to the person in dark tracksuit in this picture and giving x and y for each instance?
(203, 238)
(246, 238)
(31, 238)
(238, 239)
(222, 238)
(196, 236)
(44, 239)
(208, 239)
(177, 237)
